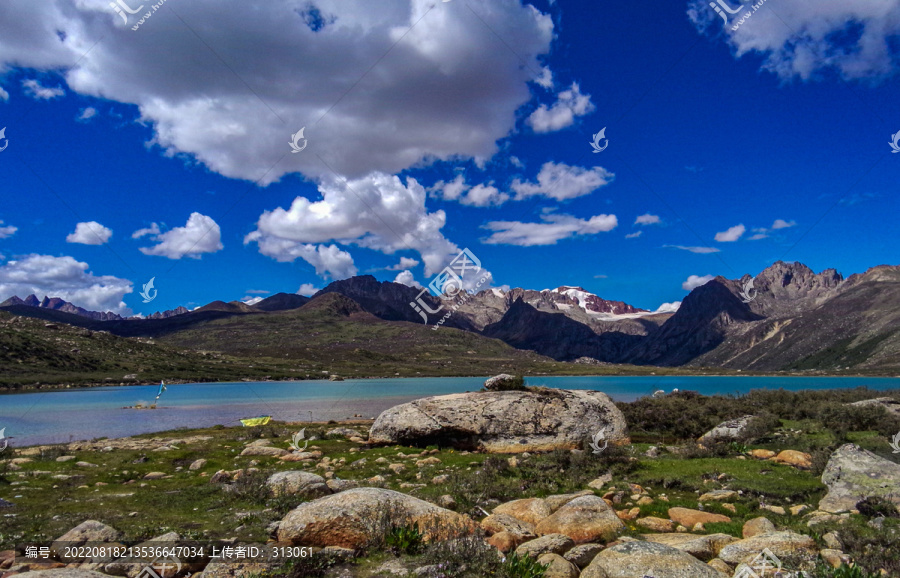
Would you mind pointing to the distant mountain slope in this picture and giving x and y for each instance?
(57, 304)
(281, 302)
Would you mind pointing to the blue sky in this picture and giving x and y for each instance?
(436, 126)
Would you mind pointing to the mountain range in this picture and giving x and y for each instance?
(787, 318)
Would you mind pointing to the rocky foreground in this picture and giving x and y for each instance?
(349, 523)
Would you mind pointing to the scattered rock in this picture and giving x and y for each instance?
(688, 517)
(782, 544)
(352, 519)
(503, 421)
(636, 559)
(584, 519)
(757, 526)
(762, 454)
(731, 430)
(557, 566)
(198, 465)
(341, 432)
(551, 543)
(719, 496)
(338, 485)
(598, 483)
(701, 547)
(656, 524)
(155, 476)
(498, 382)
(66, 458)
(582, 554)
(297, 483)
(530, 510)
(853, 474)
(794, 458)
(447, 501)
(253, 450)
(87, 531)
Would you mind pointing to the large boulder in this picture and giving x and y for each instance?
(297, 483)
(503, 421)
(703, 547)
(501, 382)
(781, 544)
(585, 519)
(636, 559)
(727, 431)
(88, 532)
(888, 403)
(853, 474)
(355, 518)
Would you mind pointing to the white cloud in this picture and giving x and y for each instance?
(86, 114)
(257, 292)
(556, 227)
(251, 300)
(477, 196)
(782, 224)
(634, 235)
(669, 307)
(561, 181)
(699, 250)
(201, 234)
(405, 263)
(274, 67)
(569, 104)
(35, 90)
(8, 231)
(731, 235)
(648, 219)
(376, 212)
(545, 79)
(4, 96)
(695, 281)
(797, 39)
(308, 289)
(89, 233)
(153, 229)
(46, 275)
(407, 278)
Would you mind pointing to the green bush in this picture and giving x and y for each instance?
(516, 566)
(405, 540)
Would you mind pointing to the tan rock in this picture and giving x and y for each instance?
(645, 501)
(794, 458)
(688, 517)
(834, 558)
(530, 510)
(505, 523)
(557, 566)
(721, 566)
(297, 483)
(719, 496)
(585, 519)
(628, 514)
(782, 544)
(582, 554)
(552, 543)
(300, 456)
(557, 501)
(507, 541)
(252, 450)
(799, 509)
(763, 454)
(757, 526)
(87, 531)
(730, 507)
(656, 524)
(636, 559)
(700, 547)
(354, 518)
(775, 509)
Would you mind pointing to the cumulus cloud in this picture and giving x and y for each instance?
(86, 114)
(35, 90)
(545, 79)
(782, 224)
(561, 182)
(46, 275)
(247, 300)
(407, 278)
(201, 234)
(699, 250)
(731, 235)
(569, 104)
(669, 307)
(377, 212)
(153, 229)
(634, 235)
(290, 65)
(7, 231)
(695, 281)
(648, 219)
(855, 38)
(308, 289)
(482, 195)
(556, 228)
(89, 233)
(405, 263)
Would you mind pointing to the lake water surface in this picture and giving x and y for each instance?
(80, 414)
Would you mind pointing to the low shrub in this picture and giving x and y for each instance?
(405, 540)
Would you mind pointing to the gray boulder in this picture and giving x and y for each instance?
(888, 403)
(853, 474)
(503, 421)
(638, 559)
(496, 383)
(731, 430)
(297, 483)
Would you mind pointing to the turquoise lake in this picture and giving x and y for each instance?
(79, 414)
